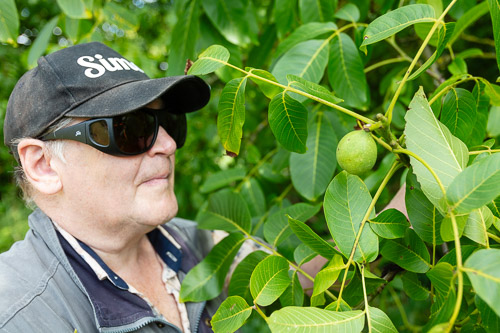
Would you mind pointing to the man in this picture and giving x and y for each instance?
(95, 140)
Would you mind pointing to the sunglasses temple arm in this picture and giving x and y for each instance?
(77, 132)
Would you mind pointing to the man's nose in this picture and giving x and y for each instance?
(164, 143)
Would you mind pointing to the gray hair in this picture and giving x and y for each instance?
(54, 148)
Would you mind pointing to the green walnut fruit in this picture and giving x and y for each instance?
(357, 152)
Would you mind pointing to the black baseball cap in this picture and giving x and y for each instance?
(91, 80)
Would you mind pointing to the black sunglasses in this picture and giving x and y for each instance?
(132, 133)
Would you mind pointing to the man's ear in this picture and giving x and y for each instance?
(38, 166)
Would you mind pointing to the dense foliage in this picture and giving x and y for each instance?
(290, 79)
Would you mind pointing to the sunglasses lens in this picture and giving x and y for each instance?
(99, 132)
(175, 125)
(134, 132)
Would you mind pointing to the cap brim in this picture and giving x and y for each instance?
(181, 94)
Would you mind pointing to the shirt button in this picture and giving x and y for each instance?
(160, 325)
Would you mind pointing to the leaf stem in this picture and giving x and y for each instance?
(494, 237)
(460, 291)
(259, 311)
(490, 151)
(395, 166)
(439, 21)
(384, 62)
(418, 158)
(367, 308)
(303, 93)
(451, 86)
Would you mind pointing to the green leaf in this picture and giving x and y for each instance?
(304, 33)
(288, 122)
(276, 228)
(346, 201)
(413, 287)
(231, 19)
(459, 113)
(232, 115)
(447, 226)
(240, 279)
(121, 16)
(312, 88)
(490, 320)
(494, 7)
(9, 22)
(269, 280)
(391, 23)
(441, 277)
(303, 254)
(424, 216)
(205, 280)
(231, 314)
(476, 229)
(390, 224)
(349, 12)
(346, 72)
(312, 172)
(451, 257)
(380, 322)
(227, 211)
(210, 60)
(307, 59)
(294, 294)
(353, 293)
(73, 8)
(42, 41)
(471, 16)
(328, 275)
(444, 35)
(267, 89)
(433, 142)
(252, 192)
(317, 10)
(311, 239)
(222, 178)
(476, 185)
(484, 272)
(184, 36)
(494, 205)
(493, 127)
(410, 253)
(315, 320)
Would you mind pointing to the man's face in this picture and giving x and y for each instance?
(121, 191)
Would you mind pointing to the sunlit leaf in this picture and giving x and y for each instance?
(410, 253)
(433, 142)
(478, 223)
(312, 172)
(315, 320)
(267, 88)
(390, 224)
(346, 201)
(303, 254)
(379, 322)
(476, 185)
(312, 88)
(349, 12)
(346, 72)
(120, 15)
(252, 192)
(205, 280)
(269, 280)
(288, 122)
(391, 23)
(232, 115)
(303, 33)
(231, 314)
(328, 275)
(494, 7)
(42, 41)
(240, 279)
(9, 22)
(294, 294)
(73, 8)
(210, 60)
(311, 239)
(483, 270)
(227, 211)
(471, 16)
(459, 113)
(222, 178)
(446, 230)
(307, 59)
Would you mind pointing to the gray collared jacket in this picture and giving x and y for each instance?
(43, 287)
